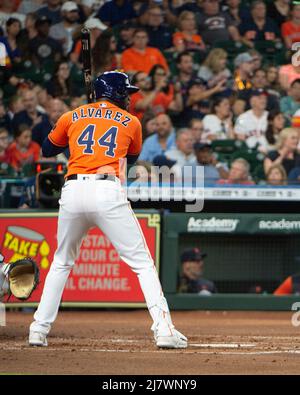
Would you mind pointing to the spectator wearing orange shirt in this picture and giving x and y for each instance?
(140, 57)
(290, 30)
(23, 150)
(186, 38)
(147, 97)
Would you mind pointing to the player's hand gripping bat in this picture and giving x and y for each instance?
(87, 64)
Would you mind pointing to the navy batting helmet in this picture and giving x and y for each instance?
(114, 85)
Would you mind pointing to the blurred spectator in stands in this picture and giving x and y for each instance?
(183, 153)
(213, 169)
(15, 105)
(166, 170)
(42, 48)
(5, 121)
(273, 79)
(286, 152)
(23, 150)
(143, 172)
(259, 27)
(236, 10)
(218, 125)
(191, 279)
(64, 30)
(294, 176)
(290, 286)
(214, 68)
(13, 28)
(291, 103)
(89, 7)
(9, 82)
(161, 141)
(104, 54)
(278, 10)
(125, 39)
(257, 59)
(296, 120)
(4, 143)
(178, 6)
(215, 25)
(51, 11)
(148, 124)
(259, 81)
(149, 95)
(40, 131)
(30, 115)
(276, 122)
(160, 34)
(186, 37)
(61, 84)
(243, 71)
(26, 34)
(238, 107)
(196, 102)
(196, 126)
(290, 30)
(172, 92)
(140, 57)
(171, 10)
(251, 126)
(96, 28)
(288, 74)
(29, 6)
(140, 8)
(239, 173)
(116, 12)
(42, 98)
(186, 73)
(276, 175)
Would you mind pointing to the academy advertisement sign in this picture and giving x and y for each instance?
(213, 224)
(232, 223)
(99, 275)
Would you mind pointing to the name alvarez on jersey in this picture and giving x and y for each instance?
(87, 112)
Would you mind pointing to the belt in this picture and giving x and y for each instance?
(107, 177)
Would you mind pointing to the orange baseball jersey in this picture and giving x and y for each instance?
(99, 135)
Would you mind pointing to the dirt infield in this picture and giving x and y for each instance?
(120, 342)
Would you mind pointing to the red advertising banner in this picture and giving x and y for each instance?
(99, 275)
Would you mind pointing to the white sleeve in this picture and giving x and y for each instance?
(240, 126)
(210, 126)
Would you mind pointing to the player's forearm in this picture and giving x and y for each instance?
(131, 159)
(50, 149)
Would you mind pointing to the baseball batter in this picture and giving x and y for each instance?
(99, 135)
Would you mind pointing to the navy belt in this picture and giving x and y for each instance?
(97, 177)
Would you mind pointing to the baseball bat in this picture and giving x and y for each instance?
(87, 64)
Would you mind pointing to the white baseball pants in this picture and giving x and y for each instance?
(86, 203)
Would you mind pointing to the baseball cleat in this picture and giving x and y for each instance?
(174, 339)
(37, 339)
